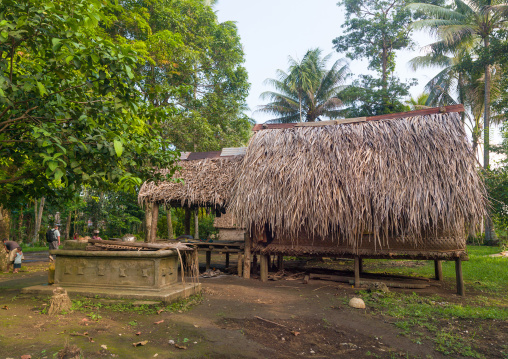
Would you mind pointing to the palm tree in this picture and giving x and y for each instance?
(418, 103)
(308, 91)
(471, 22)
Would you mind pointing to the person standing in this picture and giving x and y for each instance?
(17, 260)
(10, 247)
(53, 238)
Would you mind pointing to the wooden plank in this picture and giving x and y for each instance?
(438, 270)
(263, 267)
(459, 278)
(246, 260)
(423, 112)
(180, 246)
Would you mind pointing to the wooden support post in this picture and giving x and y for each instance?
(155, 217)
(438, 269)
(240, 263)
(361, 265)
(227, 259)
(357, 272)
(458, 275)
(263, 267)
(196, 223)
(280, 262)
(208, 259)
(254, 264)
(246, 260)
(195, 261)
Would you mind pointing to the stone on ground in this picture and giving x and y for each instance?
(357, 303)
(377, 287)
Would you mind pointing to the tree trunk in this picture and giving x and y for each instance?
(148, 221)
(486, 137)
(38, 218)
(187, 222)
(196, 223)
(170, 223)
(4, 223)
(155, 217)
(68, 226)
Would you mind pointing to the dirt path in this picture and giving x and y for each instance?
(311, 321)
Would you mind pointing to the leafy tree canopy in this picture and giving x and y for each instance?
(192, 72)
(70, 113)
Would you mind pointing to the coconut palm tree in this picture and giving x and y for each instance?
(418, 103)
(471, 22)
(308, 91)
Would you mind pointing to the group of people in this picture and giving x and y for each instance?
(15, 253)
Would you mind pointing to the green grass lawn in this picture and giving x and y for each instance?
(481, 272)
(33, 249)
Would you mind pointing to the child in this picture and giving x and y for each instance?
(17, 260)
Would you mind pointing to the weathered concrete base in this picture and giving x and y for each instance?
(166, 295)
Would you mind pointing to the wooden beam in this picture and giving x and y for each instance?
(458, 276)
(263, 267)
(422, 112)
(246, 260)
(227, 259)
(438, 270)
(357, 272)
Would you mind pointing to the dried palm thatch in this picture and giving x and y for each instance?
(413, 178)
(206, 182)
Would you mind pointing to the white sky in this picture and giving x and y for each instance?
(272, 30)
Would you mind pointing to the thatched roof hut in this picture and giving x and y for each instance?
(397, 185)
(207, 180)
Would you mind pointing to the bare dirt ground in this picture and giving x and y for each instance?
(235, 318)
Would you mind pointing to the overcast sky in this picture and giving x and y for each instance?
(273, 30)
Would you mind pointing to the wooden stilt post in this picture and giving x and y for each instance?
(246, 260)
(195, 260)
(227, 259)
(458, 275)
(280, 262)
(361, 265)
(263, 267)
(240, 264)
(357, 272)
(254, 264)
(208, 259)
(438, 269)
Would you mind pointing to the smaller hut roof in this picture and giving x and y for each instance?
(207, 178)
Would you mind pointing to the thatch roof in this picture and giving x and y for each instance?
(207, 181)
(407, 177)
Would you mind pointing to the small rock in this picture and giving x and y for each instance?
(357, 303)
(171, 342)
(312, 351)
(283, 339)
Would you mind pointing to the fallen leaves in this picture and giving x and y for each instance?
(144, 342)
(138, 333)
(5, 307)
(104, 346)
(160, 311)
(159, 322)
(26, 356)
(180, 346)
(295, 333)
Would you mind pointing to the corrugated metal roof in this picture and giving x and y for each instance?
(233, 151)
(202, 155)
